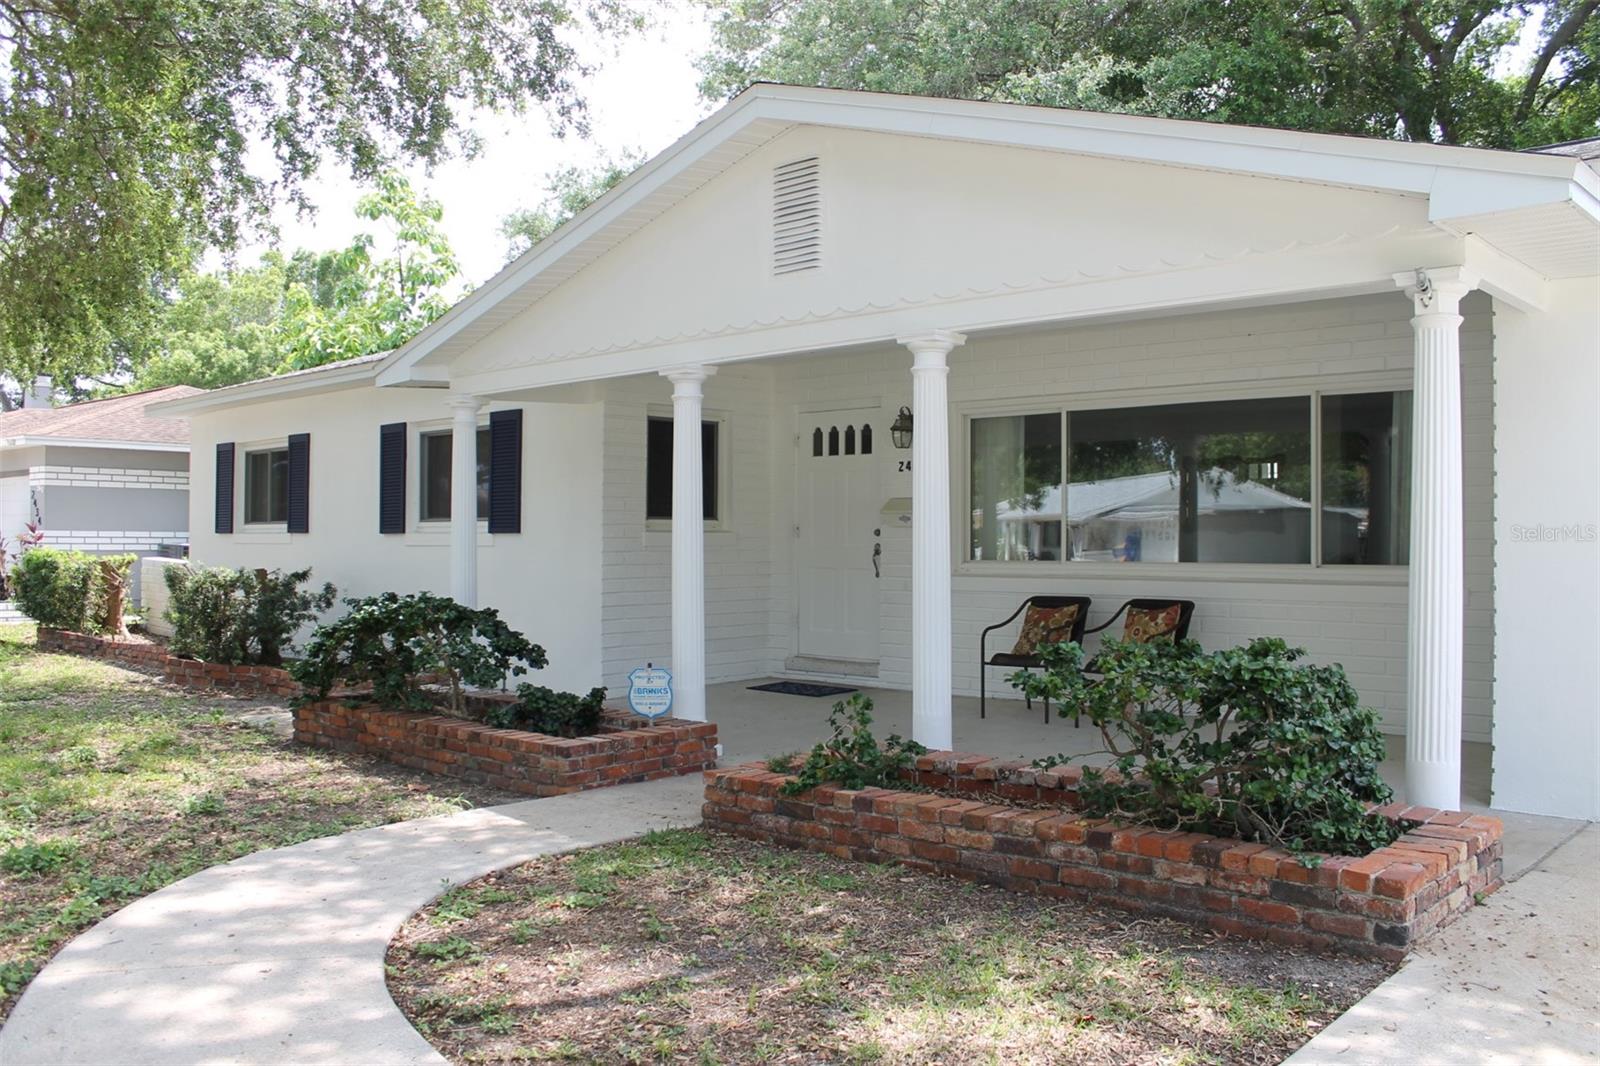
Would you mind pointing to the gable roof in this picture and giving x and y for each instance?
(1540, 209)
(113, 421)
(1469, 190)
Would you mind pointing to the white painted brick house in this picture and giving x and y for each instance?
(1333, 389)
(100, 476)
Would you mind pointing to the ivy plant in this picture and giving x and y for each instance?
(852, 756)
(1249, 742)
(397, 644)
(544, 710)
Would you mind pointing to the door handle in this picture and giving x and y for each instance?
(877, 550)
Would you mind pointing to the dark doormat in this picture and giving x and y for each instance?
(802, 688)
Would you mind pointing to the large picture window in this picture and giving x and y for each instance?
(266, 486)
(436, 448)
(658, 469)
(1231, 481)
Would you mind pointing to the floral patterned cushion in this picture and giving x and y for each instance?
(1045, 625)
(1144, 624)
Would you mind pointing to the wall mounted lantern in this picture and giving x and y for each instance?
(900, 432)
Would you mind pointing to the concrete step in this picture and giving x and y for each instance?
(829, 667)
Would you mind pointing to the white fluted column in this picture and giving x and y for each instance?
(1436, 601)
(464, 499)
(932, 720)
(688, 544)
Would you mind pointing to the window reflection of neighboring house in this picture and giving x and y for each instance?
(1135, 519)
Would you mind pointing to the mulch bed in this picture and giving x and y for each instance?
(696, 947)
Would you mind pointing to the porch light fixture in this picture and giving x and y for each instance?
(900, 432)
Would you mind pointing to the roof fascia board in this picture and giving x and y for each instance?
(267, 389)
(1394, 166)
(26, 441)
(1465, 194)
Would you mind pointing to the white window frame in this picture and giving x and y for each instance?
(242, 453)
(414, 477)
(724, 482)
(963, 413)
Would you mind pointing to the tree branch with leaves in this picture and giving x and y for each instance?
(132, 132)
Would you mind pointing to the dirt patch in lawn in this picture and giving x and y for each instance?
(113, 785)
(695, 947)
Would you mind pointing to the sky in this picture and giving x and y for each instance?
(642, 96)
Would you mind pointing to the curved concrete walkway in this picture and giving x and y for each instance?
(278, 957)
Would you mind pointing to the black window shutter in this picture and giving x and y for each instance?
(505, 471)
(300, 483)
(224, 479)
(392, 478)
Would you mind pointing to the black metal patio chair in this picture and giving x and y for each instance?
(1144, 620)
(1051, 624)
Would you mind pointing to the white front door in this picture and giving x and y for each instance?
(838, 514)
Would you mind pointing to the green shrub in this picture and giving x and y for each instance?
(14, 976)
(544, 710)
(36, 860)
(239, 616)
(852, 758)
(72, 590)
(397, 643)
(1246, 742)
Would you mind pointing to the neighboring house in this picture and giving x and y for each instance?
(1140, 518)
(101, 476)
(667, 433)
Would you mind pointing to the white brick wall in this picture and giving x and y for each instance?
(1349, 617)
(153, 594)
(100, 477)
(113, 540)
(636, 594)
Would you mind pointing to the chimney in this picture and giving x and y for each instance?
(42, 394)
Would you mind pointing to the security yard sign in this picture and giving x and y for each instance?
(650, 691)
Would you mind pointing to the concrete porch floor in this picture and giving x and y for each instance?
(755, 725)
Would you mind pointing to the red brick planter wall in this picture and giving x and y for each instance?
(518, 761)
(190, 673)
(1379, 905)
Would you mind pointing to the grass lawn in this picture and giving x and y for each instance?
(701, 948)
(113, 785)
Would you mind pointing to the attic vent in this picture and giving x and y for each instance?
(796, 217)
